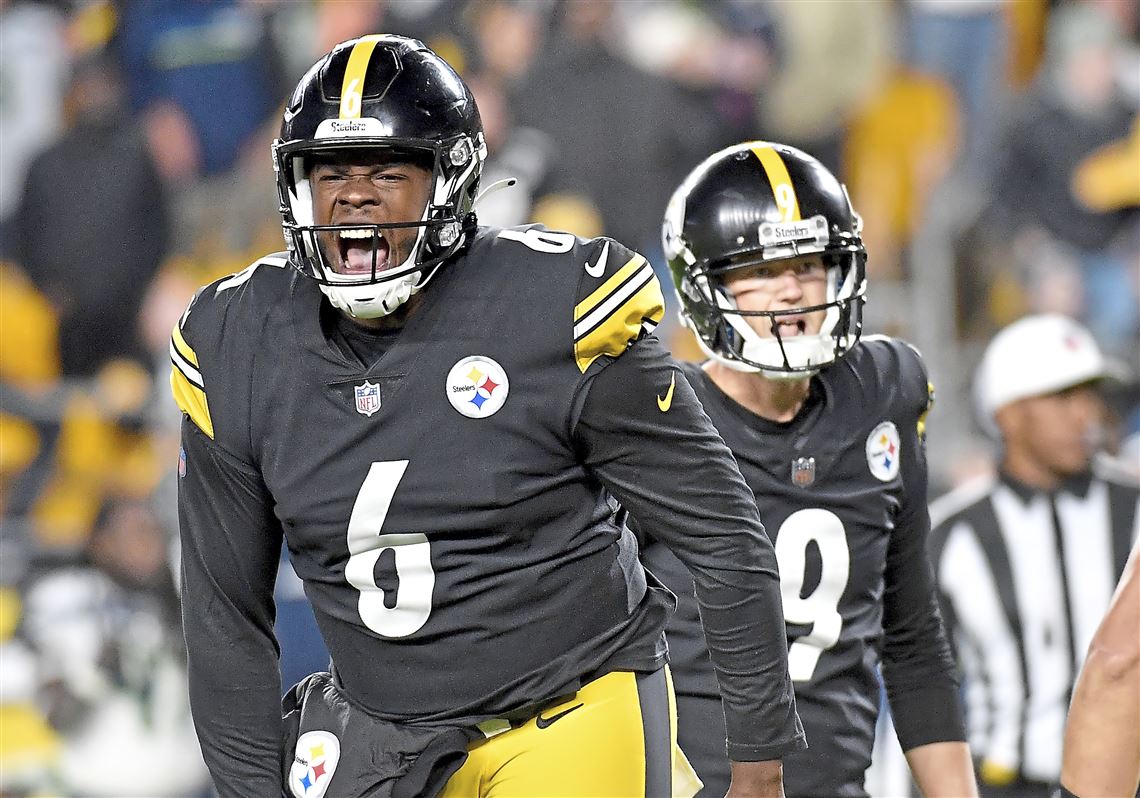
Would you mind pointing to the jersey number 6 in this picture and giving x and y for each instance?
(366, 543)
(820, 608)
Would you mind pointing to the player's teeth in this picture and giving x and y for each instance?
(356, 234)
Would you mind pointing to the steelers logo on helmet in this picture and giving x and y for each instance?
(883, 451)
(477, 386)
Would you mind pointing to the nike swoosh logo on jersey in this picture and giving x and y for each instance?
(599, 268)
(666, 401)
(544, 723)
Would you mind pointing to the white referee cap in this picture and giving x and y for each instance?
(1034, 356)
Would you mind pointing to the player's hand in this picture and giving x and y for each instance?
(757, 780)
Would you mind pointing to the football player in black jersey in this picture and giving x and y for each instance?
(767, 260)
(437, 418)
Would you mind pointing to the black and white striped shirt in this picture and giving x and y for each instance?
(1025, 578)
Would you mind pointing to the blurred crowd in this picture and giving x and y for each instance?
(992, 148)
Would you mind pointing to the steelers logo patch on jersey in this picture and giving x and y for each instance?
(883, 451)
(314, 761)
(477, 386)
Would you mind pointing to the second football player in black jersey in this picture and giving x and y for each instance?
(442, 460)
(765, 252)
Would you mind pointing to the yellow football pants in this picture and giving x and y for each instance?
(615, 738)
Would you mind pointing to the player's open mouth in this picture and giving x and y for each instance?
(789, 328)
(355, 249)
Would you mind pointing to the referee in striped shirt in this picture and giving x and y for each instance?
(1027, 561)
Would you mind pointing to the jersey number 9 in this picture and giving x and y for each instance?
(820, 608)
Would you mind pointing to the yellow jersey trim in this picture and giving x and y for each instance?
(192, 400)
(612, 317)
(186, 383)
(929, 405)
(608, 287)
(182, 347)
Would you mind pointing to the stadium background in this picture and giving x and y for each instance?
(991, 146)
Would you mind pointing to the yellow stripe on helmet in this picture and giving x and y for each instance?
(782, 188)
(352, 90)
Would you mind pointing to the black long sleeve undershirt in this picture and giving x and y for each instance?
(681, 485)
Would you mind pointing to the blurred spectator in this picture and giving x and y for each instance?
(1027, 562)
(964, 42)
(205, 77)
(337, 22)
(810, 101)
(1077, 258)
(28, 746)
(528, 157)
(92, 225)
(202, 74)
(722, 53)
(90, 232)
(1026, 22)
(624, 137)
(1130, 453)
(899, 147)
(307, 30)
(33, 76)
(508, 34)
(110, 667)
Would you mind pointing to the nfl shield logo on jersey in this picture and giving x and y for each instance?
(367, 398)
(314, 760)
(803, 471)
(883, 451)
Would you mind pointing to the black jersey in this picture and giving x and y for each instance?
(842, 488)
(448, 507)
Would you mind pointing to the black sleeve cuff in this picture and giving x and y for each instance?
(765, 753)
(927, 715)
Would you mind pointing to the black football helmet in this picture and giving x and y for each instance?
(761, 202)
(389, 92)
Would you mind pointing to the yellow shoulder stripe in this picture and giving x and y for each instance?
(182, 347)
(926, 412)
(613, 316)
(782, 189)
(607, 288)
(186, 383)
(192, 400)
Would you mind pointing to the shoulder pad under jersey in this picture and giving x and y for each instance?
(220, 309)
